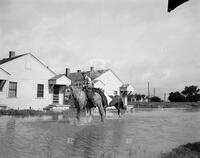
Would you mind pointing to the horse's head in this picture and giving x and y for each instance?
(68, 93)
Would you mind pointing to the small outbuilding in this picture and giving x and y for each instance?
(125, 90)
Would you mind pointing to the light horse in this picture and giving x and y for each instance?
(82, 102)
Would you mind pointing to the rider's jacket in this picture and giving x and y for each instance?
(87, 82)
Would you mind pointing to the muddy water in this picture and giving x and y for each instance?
(138, 134)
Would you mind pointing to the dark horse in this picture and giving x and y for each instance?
(83, 101)
(118, 103)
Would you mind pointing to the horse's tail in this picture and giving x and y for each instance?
(103, 97)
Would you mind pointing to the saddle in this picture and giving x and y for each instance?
(91, 90)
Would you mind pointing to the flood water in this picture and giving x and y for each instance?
(140, 134)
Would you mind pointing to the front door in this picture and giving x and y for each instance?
(56, 94)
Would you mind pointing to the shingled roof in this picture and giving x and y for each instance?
(57, 76)
(5, 60)
(77, 76)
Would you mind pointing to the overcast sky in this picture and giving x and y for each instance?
(138, 39)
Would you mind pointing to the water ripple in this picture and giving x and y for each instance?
(138, 134)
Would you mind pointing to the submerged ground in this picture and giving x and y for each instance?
(142, 133)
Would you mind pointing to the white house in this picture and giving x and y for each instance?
(104, 79)
(25, 82)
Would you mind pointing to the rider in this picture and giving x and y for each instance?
(87, 82)
(88, 87)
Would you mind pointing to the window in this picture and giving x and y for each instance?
(12, 89)
(2, 83)
(40, 90)
(28, 65)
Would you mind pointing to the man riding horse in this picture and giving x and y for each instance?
(87, 82)
(89, 89)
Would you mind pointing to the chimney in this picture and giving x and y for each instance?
(67, 71)
(78, 71)
(11, 54)
(91, 68)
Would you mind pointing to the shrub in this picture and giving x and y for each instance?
(176, 97)
(155, 99)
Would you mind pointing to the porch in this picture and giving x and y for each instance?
(57, 85)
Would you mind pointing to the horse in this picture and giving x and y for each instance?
(85, 101)
(118, 103)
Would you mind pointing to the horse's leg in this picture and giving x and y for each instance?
(86, 112)
(101, 111)
(104, 110)
(78, 114)
(90, 114)
(118, 110)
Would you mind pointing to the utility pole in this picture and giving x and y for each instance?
(148, 91)
(164, 97)
(154, 92)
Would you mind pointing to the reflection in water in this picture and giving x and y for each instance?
(88, 141)
(98, 141)
(47, 145)
(7, 139)
(140, 134)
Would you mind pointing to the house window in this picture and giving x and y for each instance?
(40, 90)
(2, 83)
(28, 65)
(12, 89)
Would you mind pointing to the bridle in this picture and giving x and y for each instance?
(68, 90)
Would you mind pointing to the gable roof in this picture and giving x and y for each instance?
(5, 60)
(60, 79)
(77, 76)
(127, 87)
(4, 71)
(57, 76)
(42, 63)
(117, 77)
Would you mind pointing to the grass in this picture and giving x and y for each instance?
(26, 112)
(190, 150)
(29, 112)
(165, 104)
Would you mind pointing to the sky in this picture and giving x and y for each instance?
(138, 39)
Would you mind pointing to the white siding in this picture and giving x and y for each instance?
(27, 72)
(3, 74)
(63, 81)
(112, 83)
(99, 84)
(4, 93)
